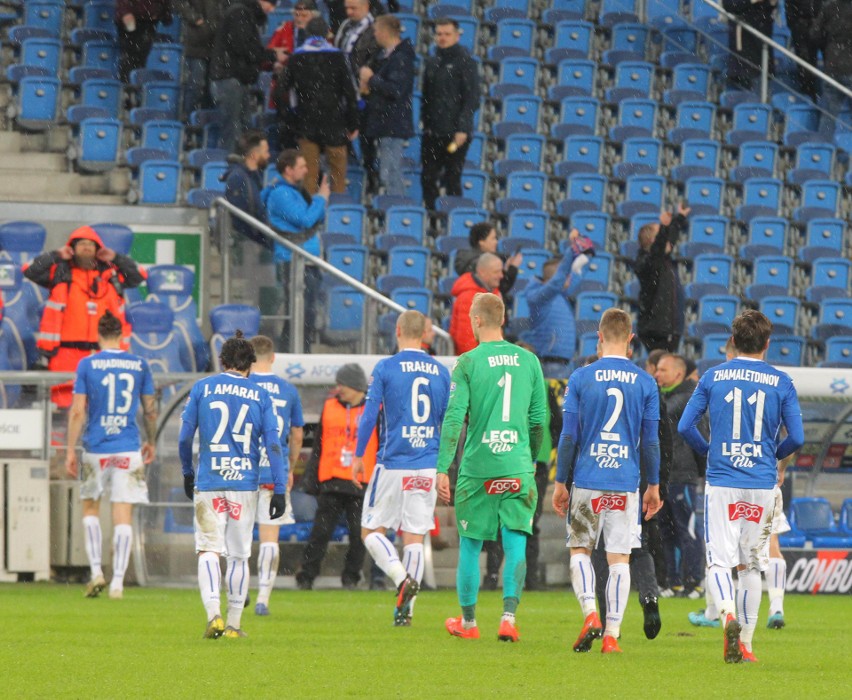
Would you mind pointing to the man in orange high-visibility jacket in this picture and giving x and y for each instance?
(85, 279)
(331, 465)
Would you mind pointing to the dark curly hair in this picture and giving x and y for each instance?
(109, 325)
(237, 353)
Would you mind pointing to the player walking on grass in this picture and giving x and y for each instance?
(231, 414)
(408, 396)
(107, 392)
(288, 410)
(611, 412)
(499, 387)
(747, 401)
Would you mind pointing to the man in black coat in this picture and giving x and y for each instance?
(746, 49)
(136, 27)
(244, 181)
(200, 24)
(832, 32)
(388, 86)
(661, 300)
(800, 17)
(325, 116)
(450, 99)
(238, 54)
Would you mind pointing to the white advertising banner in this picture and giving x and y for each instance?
(21, 429)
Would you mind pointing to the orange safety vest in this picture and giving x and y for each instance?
(339, 433)
(85, 302)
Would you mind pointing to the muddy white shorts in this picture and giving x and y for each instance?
(264, 496)
(780, 525)
(611, 514)
(224, 521)
(737, 523)
(400, 499)
(122, 473)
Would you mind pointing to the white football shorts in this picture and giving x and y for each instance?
(264, 496)
(737, 523)
(224, 521)
(123, 473)
(400, 499)
(780, 525)
(611, 514)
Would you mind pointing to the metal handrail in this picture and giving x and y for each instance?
(767, 41)
(319, 262)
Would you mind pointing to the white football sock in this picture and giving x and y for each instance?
(267, 569)
(412, 560)
(209, 580)
(710, 610)
(776, 581)
(617, 594)
(92, 528)
(749, 590)
(121, 539)
(583, 582)
(721, 585)
(237, 581)
(385, 556)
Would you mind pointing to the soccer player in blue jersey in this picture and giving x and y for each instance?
(288, 409)
(408, 396)
(108, 389)
(232, 415)
(611, 412)
(747, 401)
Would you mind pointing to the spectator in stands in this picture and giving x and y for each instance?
(746, 49)
(297, 215)
(800, 17)
(652, 360)
(486, 278)
(235, 63)
(85, 279)
(337, 11)
(483, 239)
(552, 332)
(200, 24)
(832, 32)
(136, 24)
(661, 300)
(290, 35)
(244, 181)
(450, 99)
(318, 79)
(328, 475)
(691, 369)
(679, 525)
(388, 85)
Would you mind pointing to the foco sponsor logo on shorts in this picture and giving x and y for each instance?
(223, 505)
(743, 510)
(494, 487)
(609, 501)
(417, 483)
(115, 462)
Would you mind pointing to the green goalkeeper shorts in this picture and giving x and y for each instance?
(483, 505)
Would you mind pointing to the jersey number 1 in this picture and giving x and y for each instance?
(757, 399)
(506, 384)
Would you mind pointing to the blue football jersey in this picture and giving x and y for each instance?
(747, 400)
(611, 398)
(288, 411)
(408, 393)
(232, 414)
(113, 382)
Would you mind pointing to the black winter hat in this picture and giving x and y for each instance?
(353, 376)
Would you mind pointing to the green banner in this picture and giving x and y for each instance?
(169, 247)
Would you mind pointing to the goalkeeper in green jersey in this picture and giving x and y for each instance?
(499, 387)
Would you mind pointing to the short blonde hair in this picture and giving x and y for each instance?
(615, 325)
(411, 324)
(490, 309)
(263, 346)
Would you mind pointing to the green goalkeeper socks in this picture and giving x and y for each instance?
(467, 574)
(514, 567)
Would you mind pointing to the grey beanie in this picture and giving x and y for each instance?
(353, 376)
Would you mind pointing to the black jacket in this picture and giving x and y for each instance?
(364, 52)
(198, 41)
(391, 89)
(337, 11)
(687, 466)
(742, 43)
(237, 50)
(832, 32)
(450, 92)
(242, 189)
(39, 270)
(661, 304)
(326, 105)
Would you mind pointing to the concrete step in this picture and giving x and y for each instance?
(34, 186)
(39, 162)
(63, 198)
(10, 141)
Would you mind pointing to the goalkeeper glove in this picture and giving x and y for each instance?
(189, 486)
(277, 505)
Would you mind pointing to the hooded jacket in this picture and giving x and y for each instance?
(242, 189)
(465, 288)
(744, 46)
(661, 302)
(198, 41)
(389, 111)
(450, 91)
(553, 332)
(238, 51)
(832, 32)
(292, 210)
(687, 465)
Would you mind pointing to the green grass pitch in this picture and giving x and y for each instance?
(328, 644)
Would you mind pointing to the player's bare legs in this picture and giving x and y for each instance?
(406, 575)
(268, 558)
(122, 514)
(94, 546)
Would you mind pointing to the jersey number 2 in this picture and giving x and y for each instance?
(606, 431)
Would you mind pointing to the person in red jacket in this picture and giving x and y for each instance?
(85, 279)
(485, 278)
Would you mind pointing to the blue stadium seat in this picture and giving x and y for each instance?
(698, 158)
(519, 71)
(835, 319)
(597, 274)
(757, 159)
(586, 192)
(468, 33)
(767, 235)
(76, 114)
(211, 176)
(690, 82)
(713, 346)
(460, 220)
(644, 193)
(783, 312)
(639, 156)
(629, 38)
(593, 224)
(162, 96)
(101, 54)
(694, 120)
(106, 94)
(814, 161)
(165, 135)
(344, 316)
(525, 147)
(761, 197)
(820, 200)
(410, 27)
(42, 53)
(580, 154)
(704, 195)
(159, 182)
(830, 272)
(751, 122)
(99, 15)
(516, 33)
(100, 140)
(225, 320)
(117, 237)
(613, 12)
(351, 259)
(385, 242)
(846, 516)
(141, 76)
(577, 116)
(416, 298)
(197, 158)
(16, 72)
(346, 218)
(823, 239)
(534, 259)
(716, 312)
(386, 284)
(21, 314)
(814, 517)
(707, 234)
(632, 80)
(45, 14)
(801, 123)
(137, 155)
(838, 350)
(590, 305)
(406, 220)
(713, 268)
(574, 38)
(522, 109)
(21, 241)
(574, 78)
(154, 338)
(474, 184)
(411, 261)
(773, 270)
(530, 225)
(167, 57)
(503, 9)
(38, 101)
(561, 10)
(635, 118)
(529, 186)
